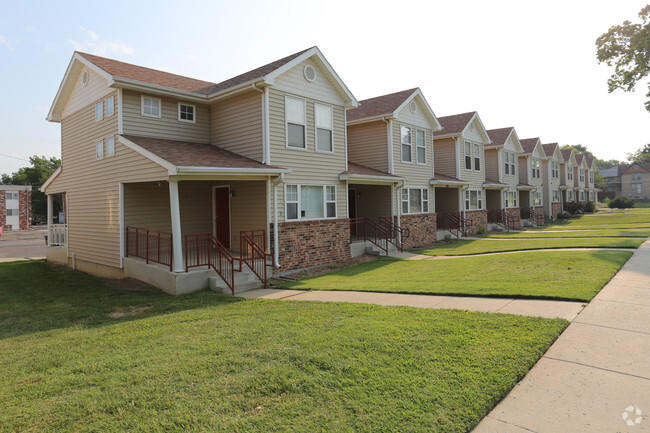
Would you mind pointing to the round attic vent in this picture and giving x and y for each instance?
(413, 106)
(310, 73)
(85, 77)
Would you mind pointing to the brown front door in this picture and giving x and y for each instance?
(222, 215)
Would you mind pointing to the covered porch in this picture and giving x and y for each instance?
(448, 204)
(501, 215)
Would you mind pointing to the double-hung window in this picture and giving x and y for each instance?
(99, 111)
(110, 146)
(636, 188)
(591, 196)
(473, 199)
(591, 178)
(477, 157)
(310, 201)
(415, 200)
(296, 124)
(324, 128)
(151, 107)
(581, 173)
(405, 133)
(537, 198)
(420, 147)
(509, 161)
(556, 195)
(570, 196)
(472, 152)
(99, 150)
(186, 113)
(535, 165)
(110, 106)
(555, 169)
(636, 176)
(569, 172)
(11, 196)
(468, 155)
(582, 196)
(510, 198)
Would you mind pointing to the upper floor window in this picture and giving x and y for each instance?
(536, 170)
(151, 107)
(11, 196)
(99, 150)
(186, 112)
(472, 153)
(581, 173)
(310, 201)
(477, 157)
(324, 127)
(296, 124)
(415, 200)
(405, 133)
(13, 212)
(110, 146)
(591, 177)
(555, 169)
(99, 111)
(420, 147)
(473, 199)
(636, 176)
(110, 106)
(569, 172)
(509, 161)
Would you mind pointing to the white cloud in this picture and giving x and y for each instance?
(4, 40)
(95, 45)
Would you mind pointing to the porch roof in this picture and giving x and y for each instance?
(442, 180)
(188, 157)
(361, 172)
(526, 187)
(489, 183)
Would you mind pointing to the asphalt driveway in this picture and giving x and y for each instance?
(22, 245)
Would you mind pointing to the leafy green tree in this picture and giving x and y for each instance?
(602, 164)
(627, 48)
(40, 170)
(641, 155)
(579, 148)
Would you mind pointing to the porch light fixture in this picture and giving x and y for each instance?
(232, 193)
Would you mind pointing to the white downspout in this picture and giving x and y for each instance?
(345, 139)
(399, 208)
(264, 147)
(50, 218)
(276, 253)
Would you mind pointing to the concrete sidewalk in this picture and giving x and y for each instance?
(522, 307)
(596, 377)
(22, 245)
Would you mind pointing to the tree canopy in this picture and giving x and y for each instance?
(641, 155)
(627, 48)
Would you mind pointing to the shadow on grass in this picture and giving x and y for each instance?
(36, 296)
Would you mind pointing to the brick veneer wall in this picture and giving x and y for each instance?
(556, 209)
(422, 229)
(24, 206)
(476, 218)
(3, 210)
(303, 244)
(515, 212)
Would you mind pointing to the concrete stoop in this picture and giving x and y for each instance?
(360, 248)
(244, 281)
(445, 235)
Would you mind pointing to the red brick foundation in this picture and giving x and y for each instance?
(556, 210)
(3, 210)
(303, 244)
(515, 214)
(422, 229)
(24, 206)
(476, 219)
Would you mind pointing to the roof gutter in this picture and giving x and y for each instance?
(231, 171)
(351, 176)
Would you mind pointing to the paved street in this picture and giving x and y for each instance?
(22, 244)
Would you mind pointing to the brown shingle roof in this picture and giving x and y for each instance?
(549, 148)
(566, 153)
(187, 154)
(179, 82)
(379, 106)
(442, 177)
(493, 182)
(454, 124)
(499, 136)
(366, 171)
(579, 157)
(529, 144)
(590, 161)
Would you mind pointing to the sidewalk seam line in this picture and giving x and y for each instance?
(597, 368)
(611, 327)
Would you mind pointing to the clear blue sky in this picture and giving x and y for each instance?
(530, 65)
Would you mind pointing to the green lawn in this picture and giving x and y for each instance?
(570, 275)
(608, 217)
(469, 246)
(79, 354)
(611, 233)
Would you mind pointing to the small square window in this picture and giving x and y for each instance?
(99, 111)
(151, 107)
(110, 106)
(186, 113)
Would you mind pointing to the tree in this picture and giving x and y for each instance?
(602, 164)
(36, 175)
(641, 155)
(579, 148)
(627, 47)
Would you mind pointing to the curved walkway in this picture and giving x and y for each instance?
(410, 256)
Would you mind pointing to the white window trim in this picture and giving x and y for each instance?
(424, 146)
(286, 125)
(408, 201)
(467, 199)
(99, 154)
(325, 201)
(514, 199)
(465, 155)
(193, 112)
(316, 128)
(142, 98)
(402, 144)
(474, 157)
(110, 99)
(106, 153)
(101, 112)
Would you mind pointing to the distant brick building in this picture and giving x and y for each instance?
(15, 207)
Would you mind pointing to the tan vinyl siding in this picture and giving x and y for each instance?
(445, 156)
(418, 175)
(321, 88)
(168, 126)
(368, 145)
(237, 125)
(474, 177)
(307, 166)
(491, 164)
(94, 91)
(92, 185)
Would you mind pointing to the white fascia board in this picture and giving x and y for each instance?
(171, 168)
(314, 51)
(231, 171)
(50, 179)
(387, 116)
(447, 182)
(372, 178)
(495, 185)
(154, 88)
(429, 112)
(483, 131)
(526, 187)
(515, 140)
(54, 115)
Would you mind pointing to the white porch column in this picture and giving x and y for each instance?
(177, 243)
(50, 218)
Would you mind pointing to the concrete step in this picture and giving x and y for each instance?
(244, 280)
